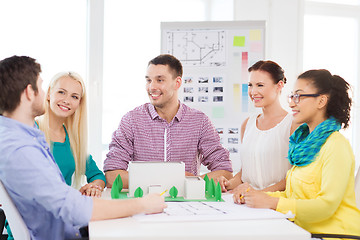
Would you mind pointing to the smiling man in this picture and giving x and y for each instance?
(50, 208)
(166, 130)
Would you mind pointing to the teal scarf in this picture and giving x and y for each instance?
(304, 147)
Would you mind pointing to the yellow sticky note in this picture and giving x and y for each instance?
(236, 90)
(218, 112)
(237, 97)
(239, 41)
(255, 35)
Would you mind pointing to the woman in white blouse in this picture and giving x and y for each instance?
(264, 136)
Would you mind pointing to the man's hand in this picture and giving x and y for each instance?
(224, 183)
(188, 174)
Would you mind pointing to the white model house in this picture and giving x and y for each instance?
(162, 176)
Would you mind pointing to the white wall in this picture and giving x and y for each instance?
(284, 36)
(95, 38)
(284, 32)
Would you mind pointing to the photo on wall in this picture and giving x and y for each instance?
(218, 98)
(188, 99)
(203, 99)
(188, 90)
(188, 80)
(203, 80)
(217, 79)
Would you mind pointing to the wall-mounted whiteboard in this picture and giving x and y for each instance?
(216, 57)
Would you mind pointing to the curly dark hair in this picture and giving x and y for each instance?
(339, 104)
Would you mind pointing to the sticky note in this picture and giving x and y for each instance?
(245, 99)
(245, 89)
(218, 112)
(255, 35)
(236, 90)
(255, 46)
(237, 97)
(244, 66)
(239, 41)
(245, 57)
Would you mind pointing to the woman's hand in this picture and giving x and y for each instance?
(259, 199)
(239, 192)
(91, 189)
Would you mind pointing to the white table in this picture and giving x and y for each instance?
(132, 229)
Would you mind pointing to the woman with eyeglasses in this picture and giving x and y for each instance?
(320, 185)
(264, 136)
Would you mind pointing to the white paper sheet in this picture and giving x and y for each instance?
(210, 211)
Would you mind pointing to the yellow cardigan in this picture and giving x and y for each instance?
(321, 194)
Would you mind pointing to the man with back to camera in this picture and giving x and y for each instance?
(49, 207)
(166, 130)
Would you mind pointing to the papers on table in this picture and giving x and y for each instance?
(210, 211)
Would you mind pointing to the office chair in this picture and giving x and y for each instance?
(357, 188)
(2, 221)
(18, 227)
(324, 235)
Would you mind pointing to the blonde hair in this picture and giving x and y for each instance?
(76, 126)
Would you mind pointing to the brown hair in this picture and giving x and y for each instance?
(274, 69)
(171, 61)
(16, 73)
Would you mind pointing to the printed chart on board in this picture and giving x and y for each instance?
(198, 47)
(216, 57)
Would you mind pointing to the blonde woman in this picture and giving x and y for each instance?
(65, 126)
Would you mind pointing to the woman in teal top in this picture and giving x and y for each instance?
(65, 126)
(65, 160)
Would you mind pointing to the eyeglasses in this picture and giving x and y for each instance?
(296, 97)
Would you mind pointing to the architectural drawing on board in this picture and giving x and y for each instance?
(215, 58)
(197, 47)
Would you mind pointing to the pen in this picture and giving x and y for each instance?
(163, 192)
(242, 196)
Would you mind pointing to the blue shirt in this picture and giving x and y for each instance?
(50, 208)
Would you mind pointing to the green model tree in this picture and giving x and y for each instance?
(173, 192)
(207, 181)
(211, 190)
(138, 192)
(218, 192)
(116, 187)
